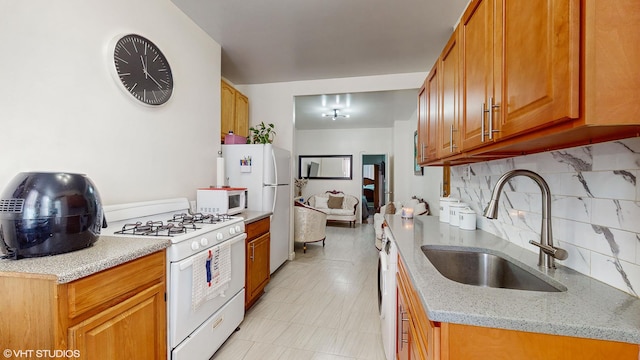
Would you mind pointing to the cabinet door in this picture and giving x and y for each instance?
(540, 64)
(448, 142)
(476, 41)
(423, 132)
(403, 329)
(241, 115)
(227, 108)
(133, 329)
(431, 149)
(258, 271)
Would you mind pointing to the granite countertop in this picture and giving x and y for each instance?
(107, 252)
(250, 216)
(588, 308)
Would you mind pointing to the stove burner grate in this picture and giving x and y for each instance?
(156, 228)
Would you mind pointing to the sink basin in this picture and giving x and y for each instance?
(481, 268)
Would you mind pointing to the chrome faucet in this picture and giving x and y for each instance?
(547, 251)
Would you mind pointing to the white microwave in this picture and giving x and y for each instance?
(220, 201)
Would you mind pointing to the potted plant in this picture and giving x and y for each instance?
(261, 134)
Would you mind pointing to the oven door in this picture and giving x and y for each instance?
(183, 319)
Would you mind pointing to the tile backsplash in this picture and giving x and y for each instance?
(595, 206)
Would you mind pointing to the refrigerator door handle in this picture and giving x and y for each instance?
(275, 198)
(275, 167)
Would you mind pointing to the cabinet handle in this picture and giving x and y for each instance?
(482, 111)
(491, 107)
(451, 145)
(402, 333)
(253, 252)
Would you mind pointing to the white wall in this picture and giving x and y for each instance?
(62, 109)
(355, 142)
(273, 103)
(405, 183)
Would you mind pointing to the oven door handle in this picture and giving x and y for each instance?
(241, 237)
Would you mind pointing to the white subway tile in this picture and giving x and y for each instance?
(612, 185)
(617, 214)
(615, 272)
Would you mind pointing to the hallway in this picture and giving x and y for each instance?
(321, 306)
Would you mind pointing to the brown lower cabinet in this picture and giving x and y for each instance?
(258, 273)
(420, 338)
(118, 313)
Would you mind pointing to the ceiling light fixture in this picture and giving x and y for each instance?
(335, 115)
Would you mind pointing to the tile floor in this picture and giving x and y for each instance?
(321, 306)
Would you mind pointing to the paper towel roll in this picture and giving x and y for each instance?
(220, 172)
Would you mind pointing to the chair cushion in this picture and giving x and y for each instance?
(346, 212)
(335, 202)
(321, 202)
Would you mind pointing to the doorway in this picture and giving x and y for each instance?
(375, 168)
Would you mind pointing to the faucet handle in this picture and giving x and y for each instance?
(558, 253)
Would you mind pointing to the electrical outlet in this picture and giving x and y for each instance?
(466, 172)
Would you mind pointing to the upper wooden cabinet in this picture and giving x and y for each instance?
(423, 125)
(538, 64)
(234, 111)
(476, 37)
(520, 67)
(449, 100)
(539, 75)
(427, 118)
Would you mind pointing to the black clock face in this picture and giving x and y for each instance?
(143, 69)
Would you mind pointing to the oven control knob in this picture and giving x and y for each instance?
(238, 229)
(232, 230)
(195, 246)
(204, 242)
(219, 236)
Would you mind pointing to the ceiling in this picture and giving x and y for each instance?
(376, 109)
(293, 40)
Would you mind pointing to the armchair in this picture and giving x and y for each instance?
(309, 225)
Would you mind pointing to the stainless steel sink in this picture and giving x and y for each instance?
(481, 268)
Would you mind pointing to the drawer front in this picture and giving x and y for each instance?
(257, 228)
(103, 289)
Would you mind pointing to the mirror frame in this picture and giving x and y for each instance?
(350, 157)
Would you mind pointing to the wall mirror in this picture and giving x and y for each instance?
(337, 167)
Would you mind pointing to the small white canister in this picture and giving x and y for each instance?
(444, 207)
(454, 212)
(467, 219)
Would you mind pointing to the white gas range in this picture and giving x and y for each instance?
(205, 270)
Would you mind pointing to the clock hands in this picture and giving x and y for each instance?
(145, 71)
(154, 80)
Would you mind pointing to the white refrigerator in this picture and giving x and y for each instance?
(265, 171)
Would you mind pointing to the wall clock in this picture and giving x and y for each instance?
(143, 69)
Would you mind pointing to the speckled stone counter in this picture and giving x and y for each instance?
(107, 252)
(588, 308)
(250, 216)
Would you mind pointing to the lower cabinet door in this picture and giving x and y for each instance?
(258, 270)
(403, 328)
(133, 329)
